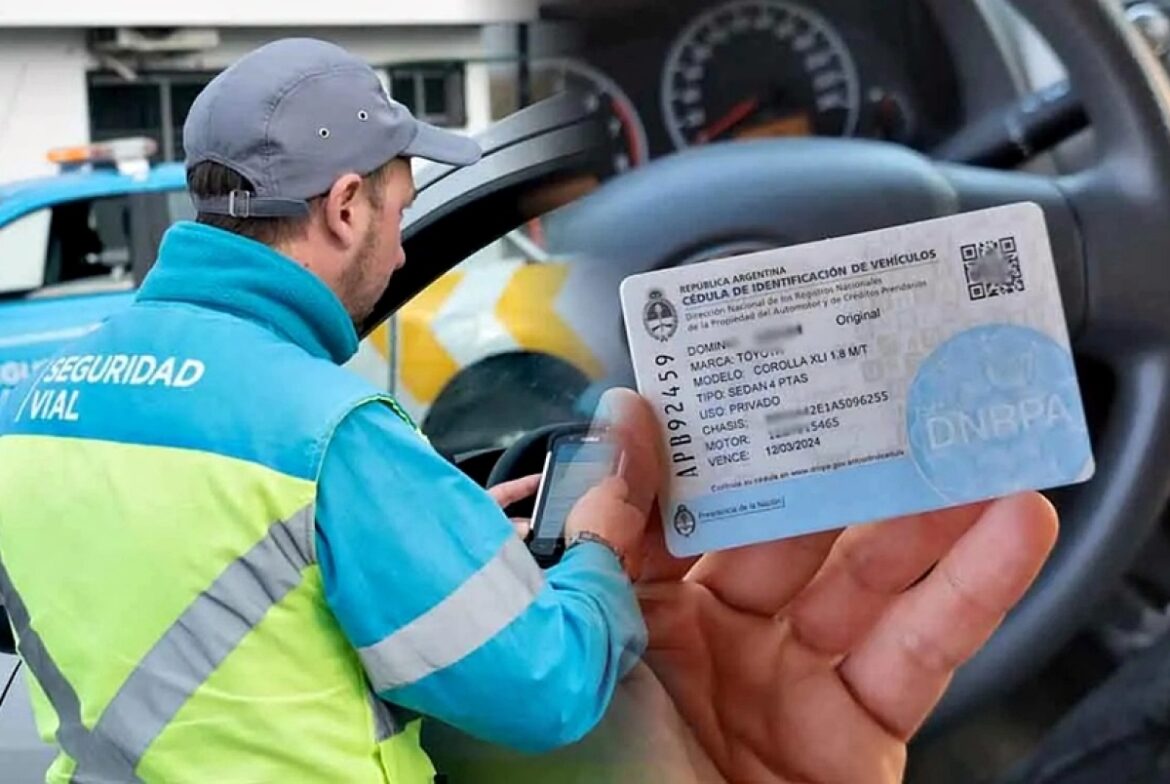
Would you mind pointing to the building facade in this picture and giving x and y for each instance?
(72, 73)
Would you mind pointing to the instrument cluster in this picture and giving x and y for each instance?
(695, 72)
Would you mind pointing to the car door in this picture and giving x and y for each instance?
(483, 349)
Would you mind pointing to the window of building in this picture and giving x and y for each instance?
(155, 106)
(433, 92)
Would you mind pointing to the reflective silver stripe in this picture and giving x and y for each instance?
(206, 634)
(179, 663)
(384, 725)
(389, 720)
(475, 612)
(103, 762)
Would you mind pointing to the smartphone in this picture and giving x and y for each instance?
(573, 465)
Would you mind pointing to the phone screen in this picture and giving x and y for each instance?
(573, 467)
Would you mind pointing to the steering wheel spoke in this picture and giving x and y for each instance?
(1122, 217)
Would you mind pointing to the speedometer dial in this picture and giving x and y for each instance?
(757, 68)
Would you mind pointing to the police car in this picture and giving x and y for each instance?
(74, 244)
(74, 247)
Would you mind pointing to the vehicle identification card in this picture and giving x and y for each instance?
(859, 378)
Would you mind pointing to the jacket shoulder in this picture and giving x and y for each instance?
(187, 377)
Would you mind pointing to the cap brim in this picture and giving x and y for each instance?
(435, 144)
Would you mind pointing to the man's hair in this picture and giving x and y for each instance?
(209, 179)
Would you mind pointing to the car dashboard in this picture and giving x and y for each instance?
(915, 72)
(696, 72)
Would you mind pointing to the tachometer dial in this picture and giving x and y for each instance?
(624, 126)
(759, 68)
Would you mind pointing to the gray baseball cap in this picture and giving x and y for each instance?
(295, 115)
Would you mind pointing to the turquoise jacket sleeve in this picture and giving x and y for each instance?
(450, 615)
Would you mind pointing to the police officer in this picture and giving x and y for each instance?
(226, 558)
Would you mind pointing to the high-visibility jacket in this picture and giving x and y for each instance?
(183, 608)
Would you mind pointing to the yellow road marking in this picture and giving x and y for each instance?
(527, 309)
(425, 366)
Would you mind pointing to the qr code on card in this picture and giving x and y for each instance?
(993, 268)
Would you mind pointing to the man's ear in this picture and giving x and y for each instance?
(340, 205)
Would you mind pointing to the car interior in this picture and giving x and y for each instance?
(703, 128)
(844, 117)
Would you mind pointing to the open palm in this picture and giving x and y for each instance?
(807, 660)
(815, 659)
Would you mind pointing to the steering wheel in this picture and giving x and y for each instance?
(1110, 229)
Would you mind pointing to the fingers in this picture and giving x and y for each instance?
(633, 426)
(899, 672)
(508, 493)
(868, 569)
(607, 511)
(658, 565)
(629, 421)
(761, 579)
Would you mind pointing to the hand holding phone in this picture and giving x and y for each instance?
(575, 464)
(602, 485)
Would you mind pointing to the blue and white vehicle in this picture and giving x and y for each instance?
(74, 246)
